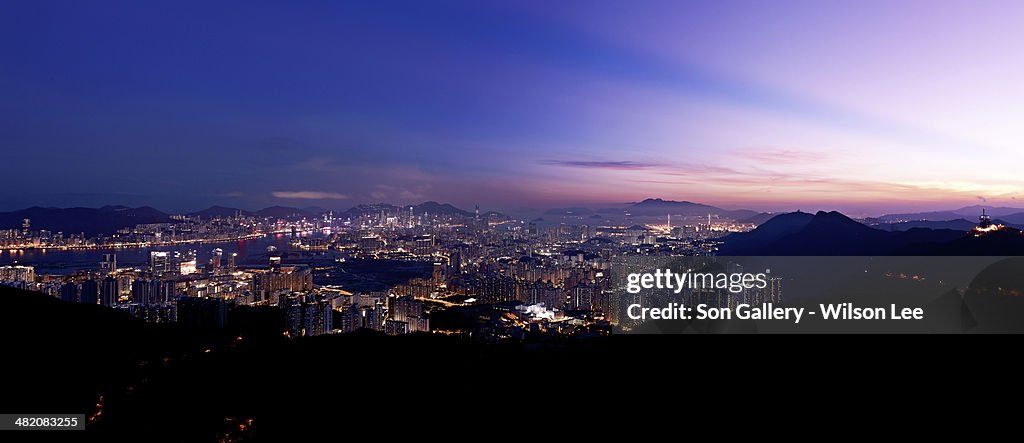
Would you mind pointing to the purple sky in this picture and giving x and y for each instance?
(865, 107)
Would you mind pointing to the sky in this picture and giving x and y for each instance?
(866, 107)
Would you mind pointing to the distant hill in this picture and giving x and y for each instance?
(432, 207)
(91, 221)
(758, 219)
(767, 235)
(656, 207)
(967, 212)
(1015, 219)
(315, 210)
(219, 211)
(831, 234)
(972, 212)
(659, 207)
(958, 224)
(920, 216)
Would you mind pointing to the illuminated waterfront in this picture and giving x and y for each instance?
(57, 261)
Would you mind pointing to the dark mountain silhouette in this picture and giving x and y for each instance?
(994, 211)
(91, 221)
(316, 210)
(494, 215)
(766, 235)
(172, 383)
(832, 233)
(656, 207)
(659, 207)
(758, 219)
(432, 207)
(684, 207)
(365, 209)
(219, 211)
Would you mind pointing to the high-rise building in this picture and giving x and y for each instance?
(109, 264)
(351, 318)
(159, 262)
(455, 263)
(423, 245)
(110, 291)
(188, 267)
(306, 315)
(89, 292)
(290, 279)
(407, 315)
(202, 312)
(437, 275)
(215, 260)
(166, 313)
(403, 308)
(394, 327)
(24, 274)
(373, 317)
(151, 292)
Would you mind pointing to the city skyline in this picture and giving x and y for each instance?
(865, 108)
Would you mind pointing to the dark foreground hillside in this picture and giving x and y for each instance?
(168, 383)
(140, 382)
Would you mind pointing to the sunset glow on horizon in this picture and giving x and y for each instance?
(864, 107)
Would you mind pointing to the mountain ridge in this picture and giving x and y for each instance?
(834, 234)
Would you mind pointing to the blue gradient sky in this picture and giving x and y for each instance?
(866, 107)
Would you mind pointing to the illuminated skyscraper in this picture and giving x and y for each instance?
(17, 274)
(306, 316)
(215, 260)
(188, 267)
(159, 262)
